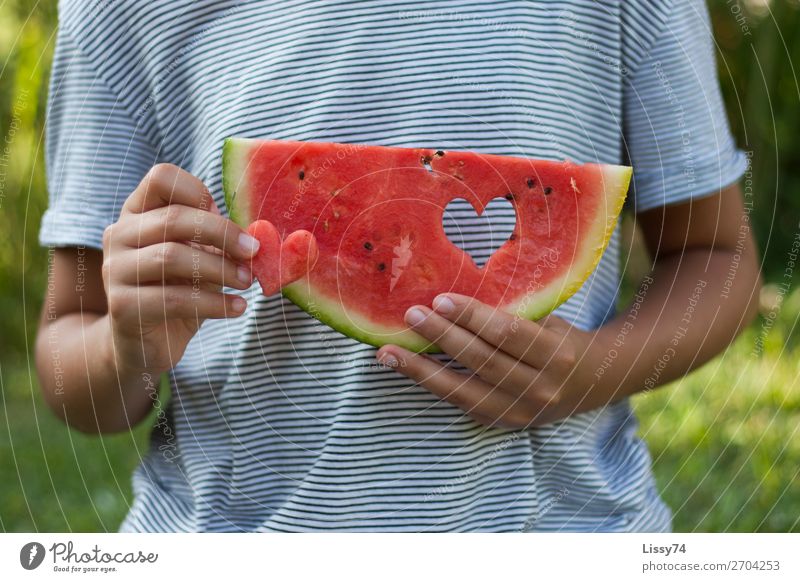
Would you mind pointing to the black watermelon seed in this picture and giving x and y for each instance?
(548, 190)
(302, 174)
(381, 266)
(439, 153)
(368, 245)
(531, 182)
(509, 196)
(512, 237)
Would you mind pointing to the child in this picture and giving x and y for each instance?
(277, 422)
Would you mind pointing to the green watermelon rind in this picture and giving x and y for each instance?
(234, 166)
(329, 312)
(531, 306)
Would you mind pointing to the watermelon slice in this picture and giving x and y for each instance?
(376, 214)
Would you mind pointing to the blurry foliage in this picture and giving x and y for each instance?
(724, 440)
(760, 84)
(26, 44)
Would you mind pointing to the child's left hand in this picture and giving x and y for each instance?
(526, 373)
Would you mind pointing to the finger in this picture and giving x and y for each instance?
(521, 338)
(204, 284)
(155, 304)
(490, 362)
(176, 261)
(177, 222)
(483, 402)
(168, 184)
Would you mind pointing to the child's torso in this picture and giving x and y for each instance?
(283, 423)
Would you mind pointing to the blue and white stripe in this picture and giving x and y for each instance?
(282, 424)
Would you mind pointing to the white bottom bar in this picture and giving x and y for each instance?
(379, 557)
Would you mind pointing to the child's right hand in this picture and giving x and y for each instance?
(164, 263)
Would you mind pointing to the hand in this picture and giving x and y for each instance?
(524, 373)
(164, 262)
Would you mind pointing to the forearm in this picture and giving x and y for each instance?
(685, 312)
(82, 380)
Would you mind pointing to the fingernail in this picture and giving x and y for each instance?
(443, 304)
(243, 275)
(388, 359)
(414, 316)
(239, 305)
(248, 243)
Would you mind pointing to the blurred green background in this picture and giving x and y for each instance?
(724, 440)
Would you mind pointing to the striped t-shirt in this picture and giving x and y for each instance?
(277, 422)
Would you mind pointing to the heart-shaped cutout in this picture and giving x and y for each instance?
(277, 262)
(479, 235)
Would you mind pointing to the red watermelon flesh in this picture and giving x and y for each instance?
(376, 214)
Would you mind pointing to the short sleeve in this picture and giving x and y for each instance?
(677, 136)
(96, 152)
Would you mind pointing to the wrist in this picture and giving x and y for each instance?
(122, 354)
(138, 385)
(597, 378)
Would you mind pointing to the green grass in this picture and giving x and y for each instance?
(724, 442)
(55, 479)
